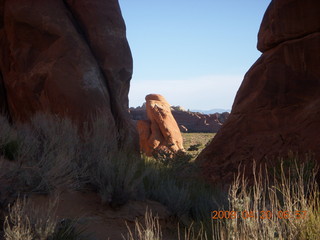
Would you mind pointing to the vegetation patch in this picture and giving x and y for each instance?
(194, 143)
(50, 155)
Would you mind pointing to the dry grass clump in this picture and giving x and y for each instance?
(150, 230)
(281, 208)
(26, 221)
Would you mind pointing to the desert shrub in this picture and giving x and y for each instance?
(173, 182)
(53, 155)
(287, 200)
(184, 195)
(25, 221)
(177, 163)
(46, 154)
(194, 147)
(119, 179)
(290, 166)
(173, 194)
(196, 140)
(114, 173)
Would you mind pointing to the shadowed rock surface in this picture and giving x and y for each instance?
(69, 58)
(277, 108)
(160, 132)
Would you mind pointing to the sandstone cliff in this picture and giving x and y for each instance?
(69, 58)
(277, 106)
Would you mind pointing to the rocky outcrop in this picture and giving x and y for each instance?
(277, 108)
(197, 122)
(69, 58)
(160, 132)
(191, 122)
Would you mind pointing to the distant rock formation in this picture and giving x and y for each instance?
(69, 58)
(188, 121)
(197, 122)
(160, 132)
(277, 108)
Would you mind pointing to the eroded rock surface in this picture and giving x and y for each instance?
(69, 58)
(277, 108)
(160, 132)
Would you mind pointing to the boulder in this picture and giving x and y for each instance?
(69, 58)
(183, 128)
(160, 132)
(276, 109)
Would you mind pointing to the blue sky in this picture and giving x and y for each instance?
(193, 52)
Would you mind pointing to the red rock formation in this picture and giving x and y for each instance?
(197, 122)
(189, 121)
(161, 131)
(65, 57)
(277, 106)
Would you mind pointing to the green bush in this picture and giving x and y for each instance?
(194, 147)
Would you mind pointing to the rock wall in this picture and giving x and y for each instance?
(66, 57)
(277, 108)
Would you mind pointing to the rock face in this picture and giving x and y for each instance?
(277, 108)
(191, 122)
(160, 132)
(69, 58)
(197, 122)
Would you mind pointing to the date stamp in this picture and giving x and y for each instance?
(258, 214)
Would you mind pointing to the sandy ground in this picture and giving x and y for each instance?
(101, 222)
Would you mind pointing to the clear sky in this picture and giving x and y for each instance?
(193, 52)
